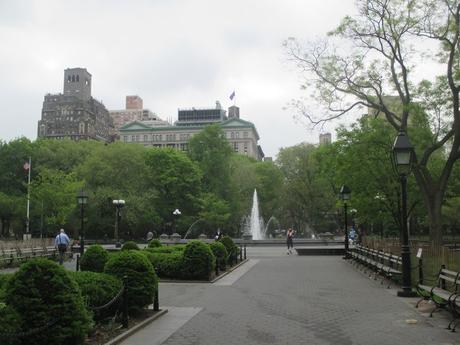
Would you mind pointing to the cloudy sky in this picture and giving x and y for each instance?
(172, 53)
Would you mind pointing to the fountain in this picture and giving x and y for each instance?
(253, 225)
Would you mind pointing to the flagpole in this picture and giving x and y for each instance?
(28, 197)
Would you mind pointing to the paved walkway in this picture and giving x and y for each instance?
(281, 299)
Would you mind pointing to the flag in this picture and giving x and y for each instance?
(26, 166)
(232, 95)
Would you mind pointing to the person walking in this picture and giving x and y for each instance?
(61, 242)
(290, 244)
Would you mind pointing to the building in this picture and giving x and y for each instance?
(325, 138)
(242, 135)
(134, 112)
(75, 114)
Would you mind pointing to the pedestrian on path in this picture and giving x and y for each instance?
(290, 244)
(61, 242)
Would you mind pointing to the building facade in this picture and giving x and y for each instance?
(325, 138)
(75, 114)
(134, 112)
(242, 135)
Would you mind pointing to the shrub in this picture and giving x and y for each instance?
(198, 261)
(94, 259)
(42, 293)
(10, 323)
(154, 243)
(130, 245)
(232, 249)
(4, 278)
(167, 249)
(167, 265)
(220, 252)
(141, 278)
(98, 289)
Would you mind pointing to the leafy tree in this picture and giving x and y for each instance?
(376, 63)
(211, 150)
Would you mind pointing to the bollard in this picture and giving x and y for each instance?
(124, 307)
(156, 299)
(420, 271)
(217, 267)
(77, 268)
(241, 253)
(245, 251)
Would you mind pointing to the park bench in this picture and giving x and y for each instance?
(379, 262)
(8, 256)
(445, 294)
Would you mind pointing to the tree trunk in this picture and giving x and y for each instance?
(435, 220)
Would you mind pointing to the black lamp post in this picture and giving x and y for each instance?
(345, 194)
(119, 204)
(82, 199)
(403, 154)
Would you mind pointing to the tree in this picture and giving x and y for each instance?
(211, 150)
(376, 62)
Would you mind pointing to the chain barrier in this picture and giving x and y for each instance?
(111, 302)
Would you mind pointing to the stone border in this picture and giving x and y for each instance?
(205, 281)
(131, 331)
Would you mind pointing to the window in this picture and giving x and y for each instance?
(237, 134)
(145, 137)
(245, 134)
(125, 138)
(78, 78)
(232, 135)
(235, 147)
(133, 138)
(73, 79)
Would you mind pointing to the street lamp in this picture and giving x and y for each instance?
(345, 194)
(119, 204)
(403, 154)
(176, 213)
(82, 199)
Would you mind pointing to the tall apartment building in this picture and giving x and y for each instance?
(135, 112)
(242, 135)
(75, 114)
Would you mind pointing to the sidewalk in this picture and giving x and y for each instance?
(292, 300)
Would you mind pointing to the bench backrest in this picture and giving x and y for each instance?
(448, 278)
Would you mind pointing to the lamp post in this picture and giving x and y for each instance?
(119, 204)
(176, 213)
(345, 194)
(82, 199)
(403, 154)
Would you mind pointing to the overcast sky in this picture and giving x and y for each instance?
(172, 53)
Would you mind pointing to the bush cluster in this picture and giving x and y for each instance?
(94, 259)
(98, 289)
(221, 254)
(140, 277)
(43, 293)
(167, 265)
(155, 243)
(231, 247)
(130, 245)
(198, 261)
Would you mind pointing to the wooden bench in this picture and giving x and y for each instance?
(380, 262)
(8, 256)
(445, 294)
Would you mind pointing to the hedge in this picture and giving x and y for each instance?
(221, 254)
(141, 278)
(43, 293)
(130, 245)
(98, 289)
(198, 261)
(94, 259)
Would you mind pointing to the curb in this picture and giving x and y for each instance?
(204, 281)
(136, 328)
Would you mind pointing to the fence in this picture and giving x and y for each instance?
(432, 256)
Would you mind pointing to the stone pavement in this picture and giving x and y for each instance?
(281, 299)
